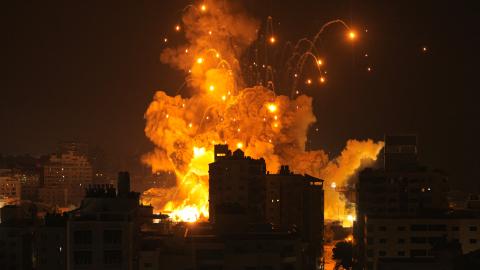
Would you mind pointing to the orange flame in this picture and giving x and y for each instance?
(262, 123)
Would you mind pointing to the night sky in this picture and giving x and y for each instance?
(87, 70)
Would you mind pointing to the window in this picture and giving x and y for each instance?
(437, 227)
(382, 253)
(435, 240)
(383, 241)
(455, 228)
(418, 227)
(112, 237)
(285, 266)
(401, 240)
(473, 241)
(210, 254)
(382, 228)
(82, 257)
(112, 257)
(82, 237)
(473, 228)
(418, 240)
(418, 252)
(401, 228)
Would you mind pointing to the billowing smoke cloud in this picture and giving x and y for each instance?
(220, 110)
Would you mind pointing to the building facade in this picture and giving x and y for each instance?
(403, 208)
(66, 173)
(103, 232)
(10, 187)
(237, 180)
(295, 202)
(418, 237)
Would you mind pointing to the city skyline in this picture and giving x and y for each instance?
(239, 135)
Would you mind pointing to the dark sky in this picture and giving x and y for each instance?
(87, 70)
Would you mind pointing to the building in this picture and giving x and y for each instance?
(66, 174)
(294, 202)
(390, 239)
(103, 232)
(392, 193)
(10, 187)
(236, 179)
(50, 243)
(53, 195)
(30, 184)
(400, 152)
(77, 148)
(242, 193)
(403, 210)
(199, 246)
(16, 234)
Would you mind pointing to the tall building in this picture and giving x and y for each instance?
(400, 152)
(238, 181)
(242, 193)
(66, 176)
(295, 202)
(402, 208)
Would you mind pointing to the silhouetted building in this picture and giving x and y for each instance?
(242, 194)
(16, 234)
(237, 180)
(103, 232)
(200, 247)
(50, 243)
(394, 199)
(295, 202)
(400, 152)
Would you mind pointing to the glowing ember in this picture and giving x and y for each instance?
(352, 35)
(272, 107)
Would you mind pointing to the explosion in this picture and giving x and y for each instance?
(223, 109)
